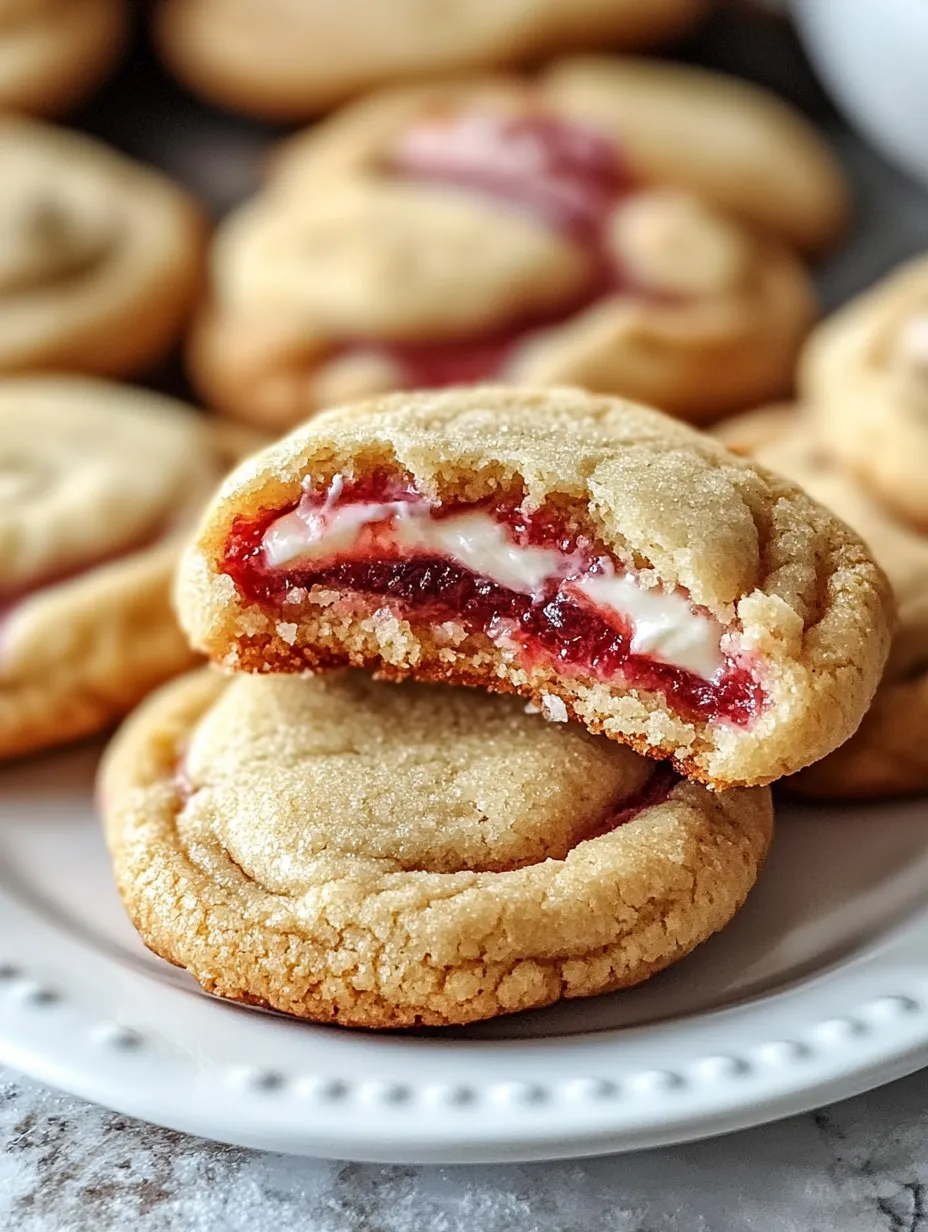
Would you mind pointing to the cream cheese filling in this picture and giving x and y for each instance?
(663, 624)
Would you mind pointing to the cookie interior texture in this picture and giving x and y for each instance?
(381, 856)
(887, 755)
(623, 570)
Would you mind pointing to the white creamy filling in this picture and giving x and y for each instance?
(663, 624)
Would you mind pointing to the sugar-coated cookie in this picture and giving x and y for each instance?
(53, 52)
(864, 377)
(98, 486)
(100, 257)
(288, 59)
(888, 754)
(587, 228)
(597, 557)
(380, 856)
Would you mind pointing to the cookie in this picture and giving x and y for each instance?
(492, 231)
(53, 52)
(280, 60)
(605, 561)
(380, 856)
(100, 257)
(98, 487)
(864, 376)
(887, 755)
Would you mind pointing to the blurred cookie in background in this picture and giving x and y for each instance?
(290, 59)
(589, 228)
(864, 375)
(54, 52)
(888, 755)
(99, 485)
(100, 257)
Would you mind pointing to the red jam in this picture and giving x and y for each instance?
(553, 627)
(652, 793)
(563, 173)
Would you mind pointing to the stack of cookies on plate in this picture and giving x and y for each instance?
(576, 639)
(676, 628)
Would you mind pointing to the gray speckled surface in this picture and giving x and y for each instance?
(859, 1166)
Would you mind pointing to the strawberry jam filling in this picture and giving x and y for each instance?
(542, 591)
(566, 175)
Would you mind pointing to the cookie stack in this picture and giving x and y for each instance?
(679, 627)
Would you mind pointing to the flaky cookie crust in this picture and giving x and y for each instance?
(887, 755)
(379, 856)
(100, 257)
(53, 52)
(690, 295)
(794, 586)
(283, 61)
(100, 484)
(864, 377)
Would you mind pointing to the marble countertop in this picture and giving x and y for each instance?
(858, 1166)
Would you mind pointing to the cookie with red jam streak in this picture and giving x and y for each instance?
(100, 484)
(399, 856)
(594, 556)
(580, 228)
(887, 755)
(280, 60)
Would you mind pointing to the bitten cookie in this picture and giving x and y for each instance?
(53, 52)
(888, 755)
(587, 228)
(100, 257)
(864, 376)
(98, 485)
(281, 60)
(597, 557)
(381, 856)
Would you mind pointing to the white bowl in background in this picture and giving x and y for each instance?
(873, 57)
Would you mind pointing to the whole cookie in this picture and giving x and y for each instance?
(100, 257)
(53, 52)
(888, 754)
(287, 60)
(586, 228)
(864, 376)
(381, 856)
(98, 484)
(597, 557)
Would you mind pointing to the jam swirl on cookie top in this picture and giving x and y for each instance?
(563, 174)
(539, 587)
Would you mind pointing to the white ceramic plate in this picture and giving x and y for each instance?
(818, 990)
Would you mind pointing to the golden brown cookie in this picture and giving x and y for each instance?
(595, 556)
(567, 231)
(286, 60)
(864, 376)
(98, 486)
(100, 257)
(381, 856)
(53, 52)
(888, 754)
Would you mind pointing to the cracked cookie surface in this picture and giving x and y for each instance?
(381, 856)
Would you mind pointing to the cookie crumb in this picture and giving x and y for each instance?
(553, 708)
(287, 630)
